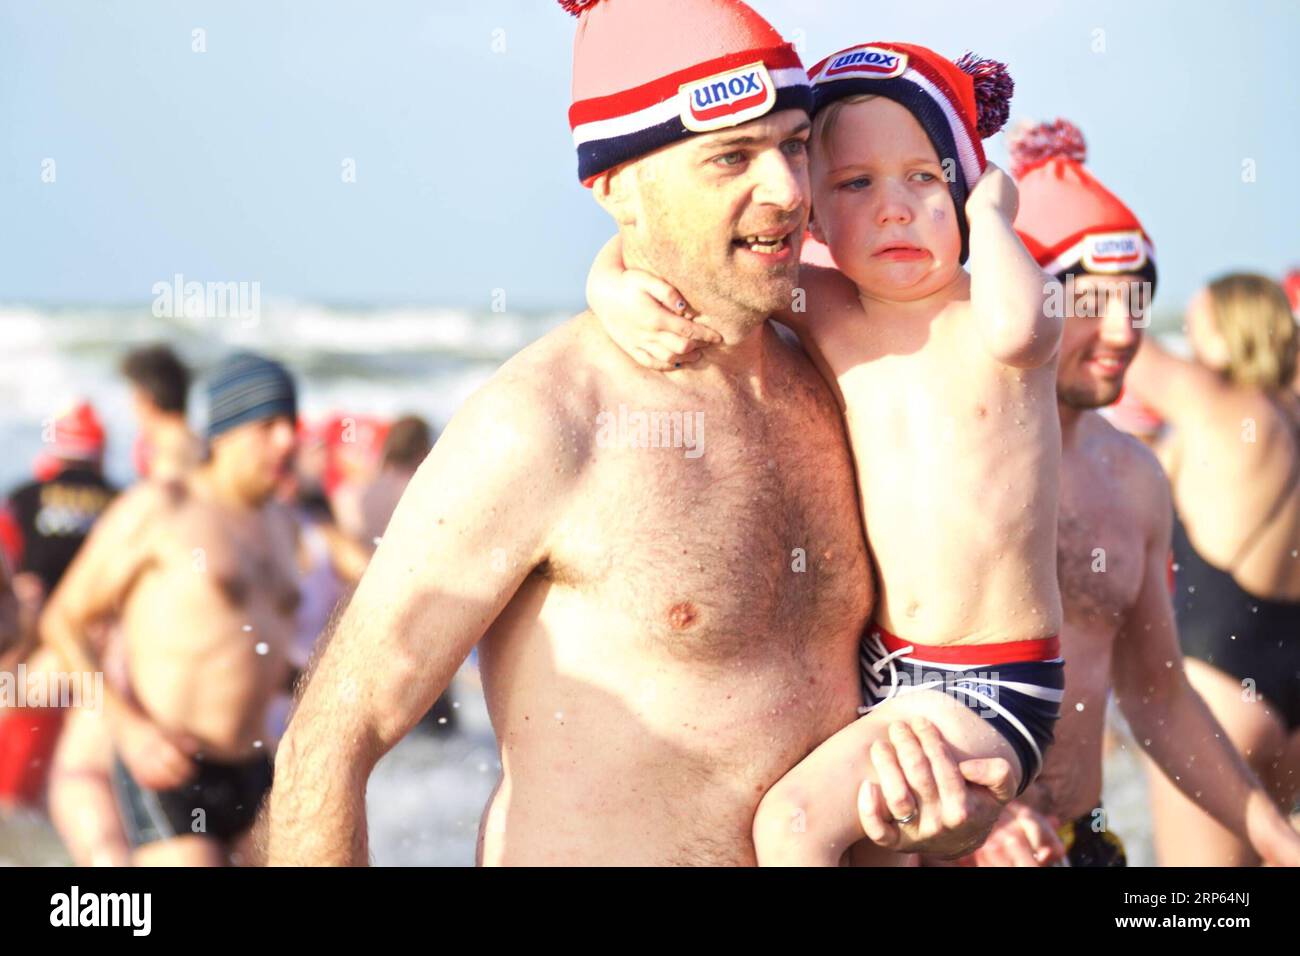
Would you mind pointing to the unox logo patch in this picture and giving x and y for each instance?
(1114, 252)
(727, 99)
(865, 61)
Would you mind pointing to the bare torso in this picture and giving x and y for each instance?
(1102, 538)
(961, 495)
(209, 620)
(693, 634)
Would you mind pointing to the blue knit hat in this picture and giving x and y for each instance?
(248, 388)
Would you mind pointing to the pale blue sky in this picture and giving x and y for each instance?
(226, 165)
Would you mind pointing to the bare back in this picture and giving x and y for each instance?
(1230, 464)
(693, 633)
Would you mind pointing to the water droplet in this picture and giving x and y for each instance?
(262, 648)
(1079, 707)
(247, 628)
(257, 745)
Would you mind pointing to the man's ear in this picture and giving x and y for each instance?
(616, 193)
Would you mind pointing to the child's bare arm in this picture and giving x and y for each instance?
(1009, 292)
(645, 316)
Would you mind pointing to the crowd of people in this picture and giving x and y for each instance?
(877, 617)
(198, 593)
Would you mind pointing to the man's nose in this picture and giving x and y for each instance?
(780, 184)
(1119, 320)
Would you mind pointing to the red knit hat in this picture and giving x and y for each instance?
(78, 436)
(1068, 221)
(648, 74)
(957, 104)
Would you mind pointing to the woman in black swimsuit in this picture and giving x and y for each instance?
(1234, 463)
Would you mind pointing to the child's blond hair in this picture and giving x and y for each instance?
(824, 125)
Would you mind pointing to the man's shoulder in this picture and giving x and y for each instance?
(146, 500)
(542, 397)
(1129, 459)
(565, 373)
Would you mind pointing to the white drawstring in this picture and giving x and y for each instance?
(889, 659)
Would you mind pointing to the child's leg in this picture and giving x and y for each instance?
(810, 816)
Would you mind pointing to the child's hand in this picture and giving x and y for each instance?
(653, 323)
(645, 316)
(995, 191)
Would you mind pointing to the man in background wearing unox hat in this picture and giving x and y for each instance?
(1113, 540)
(200, 572)
(665, 574)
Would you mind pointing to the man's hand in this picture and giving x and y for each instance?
(158, 760)
(922, 783)
(994, 191)
(1021, 837)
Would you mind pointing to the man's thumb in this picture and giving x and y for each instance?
(991, 772)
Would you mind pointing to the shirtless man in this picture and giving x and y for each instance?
(201, 574)
(665, 627)
(1112, 553)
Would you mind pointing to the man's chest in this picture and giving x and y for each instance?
(1100, 546)
(757, 535)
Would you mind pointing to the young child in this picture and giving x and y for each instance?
(947, 381)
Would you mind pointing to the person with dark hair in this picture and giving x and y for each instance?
(409, 441)
(160, 384)
(200, 573)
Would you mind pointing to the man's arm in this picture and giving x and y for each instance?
(1009, 292)
(471, 526)
(1171, 720)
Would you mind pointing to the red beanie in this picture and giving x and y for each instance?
(648, 74)
(1068, 221)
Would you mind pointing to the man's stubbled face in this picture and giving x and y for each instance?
(721, 216)
(1101, 337)
(261, 455)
